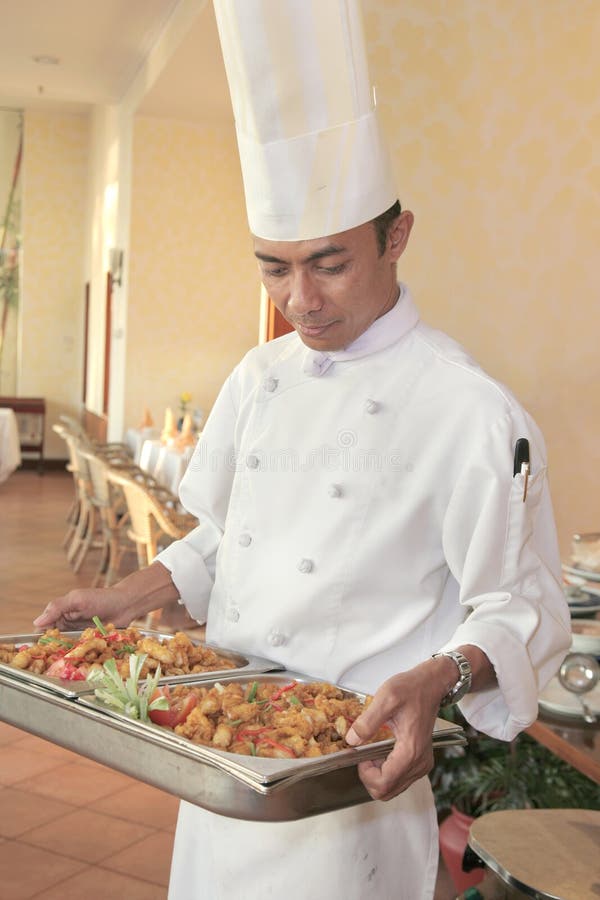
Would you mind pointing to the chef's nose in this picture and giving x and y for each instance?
(304, 295)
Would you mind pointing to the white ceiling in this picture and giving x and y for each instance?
(101, 45)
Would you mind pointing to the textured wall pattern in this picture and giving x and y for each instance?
(493, 113)
(194, 289)
(51, 353)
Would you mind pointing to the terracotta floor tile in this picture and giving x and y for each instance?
(150, 858)
(25, 870)
(76, 783)
(100, 884)
(8, 733)
(142, 803)
(87, 835)
(38, 745)
(27, 811)
(17, 766)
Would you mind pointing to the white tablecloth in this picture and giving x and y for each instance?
(10, 449)
(135, 437)
(165, 463)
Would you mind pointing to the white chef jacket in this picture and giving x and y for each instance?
(358, 512)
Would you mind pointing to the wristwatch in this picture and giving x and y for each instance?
(462, 686)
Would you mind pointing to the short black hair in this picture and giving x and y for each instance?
(382, 224)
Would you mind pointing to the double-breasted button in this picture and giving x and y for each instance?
(233, 614)
(305, 566)
(372, 406)
(252, 461)
(276, 638)
(335, 491)
(270, 384)
(245, 540)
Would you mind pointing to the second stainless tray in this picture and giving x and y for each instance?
(243, 665)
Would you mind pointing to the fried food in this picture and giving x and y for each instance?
(60, 655)
(268, 720)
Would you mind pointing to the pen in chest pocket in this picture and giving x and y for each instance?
(521, 463)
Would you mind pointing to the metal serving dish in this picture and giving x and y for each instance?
(225, 783)
(72, 689)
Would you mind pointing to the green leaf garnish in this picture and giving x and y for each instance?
(99, 625)
(128, 696)
(124, 648)
(53, 640)
(253, 692)
(293, 699)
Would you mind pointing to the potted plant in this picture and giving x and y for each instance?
(489, 775)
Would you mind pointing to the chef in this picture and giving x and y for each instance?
(361, 519)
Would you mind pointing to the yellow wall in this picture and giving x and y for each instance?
(493, 117)
(493, 114)
(193, 282)
(51, 318)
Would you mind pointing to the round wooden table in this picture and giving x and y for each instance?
(542, 853)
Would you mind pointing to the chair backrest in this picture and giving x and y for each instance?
(98, 473)
(150, 517)
(74, 427)
(72, 447)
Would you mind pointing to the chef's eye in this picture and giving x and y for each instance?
(276, 273)
(332, 270)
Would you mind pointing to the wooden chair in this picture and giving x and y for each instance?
(155, 517)
(112, 448)
(74, 509)
(77, 440)
(88, 533)
(109, 502)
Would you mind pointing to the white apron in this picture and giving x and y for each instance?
(384, 851)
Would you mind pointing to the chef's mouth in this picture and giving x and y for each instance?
(312, 328)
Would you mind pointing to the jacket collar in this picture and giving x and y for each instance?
(384, 332)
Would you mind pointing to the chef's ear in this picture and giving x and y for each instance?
(399, 234)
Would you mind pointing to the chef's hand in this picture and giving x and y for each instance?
(133, 597)
(409, 703)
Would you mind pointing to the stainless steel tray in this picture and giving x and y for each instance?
(244, 665)
(263, 773)
(236, 786)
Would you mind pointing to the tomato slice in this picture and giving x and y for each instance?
(62, 668)
(178, 711)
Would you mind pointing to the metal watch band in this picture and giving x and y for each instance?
(462, 686)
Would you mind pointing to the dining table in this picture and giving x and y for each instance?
(135, 437)
(10, 447)
(561, 726)
(166, 462)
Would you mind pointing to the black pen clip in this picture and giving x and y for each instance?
(522, 463)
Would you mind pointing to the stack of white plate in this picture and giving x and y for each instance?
(586, 636)
(582, 589)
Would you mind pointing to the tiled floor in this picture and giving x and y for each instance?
(69, 828)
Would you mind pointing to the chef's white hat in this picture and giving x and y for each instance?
(314, 160)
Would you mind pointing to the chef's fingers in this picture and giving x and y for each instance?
(384, 705)
(387, 778)
(75, 610)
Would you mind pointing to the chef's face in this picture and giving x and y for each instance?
(332, 289)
